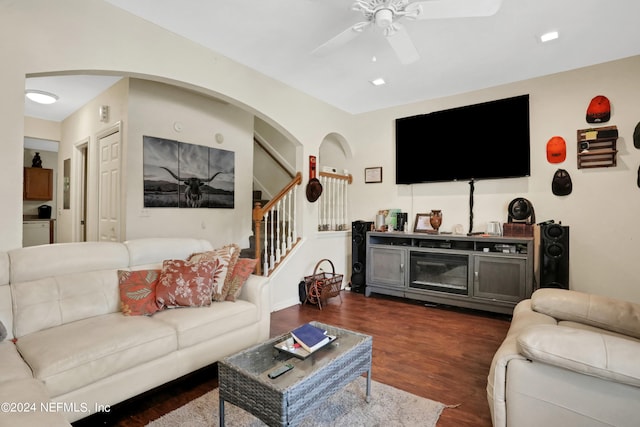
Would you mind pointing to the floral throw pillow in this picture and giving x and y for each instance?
(185, 284)
(241, 272)
(138, 292)
(225, 259)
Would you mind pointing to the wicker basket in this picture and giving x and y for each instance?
(322, 286)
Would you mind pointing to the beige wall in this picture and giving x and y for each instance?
(602, 209)
(275, 162)
(154, 108)
(42, 129)
(84, 127)
(99, 37)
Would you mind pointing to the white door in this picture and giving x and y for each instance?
(110, 153)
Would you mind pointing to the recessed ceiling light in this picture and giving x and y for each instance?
(41, 97)
(378, 82)
(547, 37)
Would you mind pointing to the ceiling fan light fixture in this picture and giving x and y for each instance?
(41, 97)
(378, 82)
(387, 14)
(384, 17)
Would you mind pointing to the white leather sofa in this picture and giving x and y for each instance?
(569, 359)
(70, 347)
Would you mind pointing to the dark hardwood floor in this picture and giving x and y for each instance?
(438, 352)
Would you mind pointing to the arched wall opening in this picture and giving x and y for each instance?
(227, 116)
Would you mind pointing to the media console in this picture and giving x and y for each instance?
(481, 272)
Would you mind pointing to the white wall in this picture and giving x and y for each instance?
(97, 36)
(332, 154)
(281, 143)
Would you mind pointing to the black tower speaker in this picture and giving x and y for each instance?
(554, 256)
(359, 254)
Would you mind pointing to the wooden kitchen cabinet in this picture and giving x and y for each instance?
(38, 184)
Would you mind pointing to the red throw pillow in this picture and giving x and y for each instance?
(241, 272)
(185, 284)
(138, 292)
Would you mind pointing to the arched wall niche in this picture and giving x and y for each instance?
(335, 153)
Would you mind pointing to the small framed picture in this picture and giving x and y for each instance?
(423, 223)
(373, 175)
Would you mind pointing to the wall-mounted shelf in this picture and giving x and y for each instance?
(597, 147)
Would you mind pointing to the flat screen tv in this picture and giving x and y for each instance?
(482, 141)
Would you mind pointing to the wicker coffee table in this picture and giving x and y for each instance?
(288, 399)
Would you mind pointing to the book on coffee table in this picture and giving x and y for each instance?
(310, 337)
(293, 345)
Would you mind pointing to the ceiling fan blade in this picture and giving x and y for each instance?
(401, 43)
(342, 38)
(440, 9)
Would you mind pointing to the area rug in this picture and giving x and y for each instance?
(388, 407)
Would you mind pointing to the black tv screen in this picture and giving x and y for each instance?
(482, 141)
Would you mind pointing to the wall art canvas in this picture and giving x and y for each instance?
(182, 175)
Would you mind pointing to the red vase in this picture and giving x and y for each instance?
(436, 219)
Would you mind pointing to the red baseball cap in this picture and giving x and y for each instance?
(599, 110)
(556, 149)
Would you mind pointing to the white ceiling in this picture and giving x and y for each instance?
(73, 92)
(458, 55)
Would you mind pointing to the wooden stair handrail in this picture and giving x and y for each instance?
(297, 180)
(258, 214)
(348, 178)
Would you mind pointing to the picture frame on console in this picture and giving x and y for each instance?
(422, 223)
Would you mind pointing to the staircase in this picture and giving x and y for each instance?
(250, 252)
(274, 228)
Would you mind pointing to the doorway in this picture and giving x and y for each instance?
(109, 192)
(79, 183)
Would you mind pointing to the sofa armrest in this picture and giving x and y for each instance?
(589, 309)
(256, 290)
(523, 317)
(602, 355)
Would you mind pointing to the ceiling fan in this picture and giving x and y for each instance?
(386, 14)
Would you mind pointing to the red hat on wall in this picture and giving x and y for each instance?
(556, 149)
(599, 110)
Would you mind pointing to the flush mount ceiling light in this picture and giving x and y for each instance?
(378, 82)
(41, 97)
(547, 37)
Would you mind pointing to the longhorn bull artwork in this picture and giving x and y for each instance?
(182, 175)
(193, 192)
